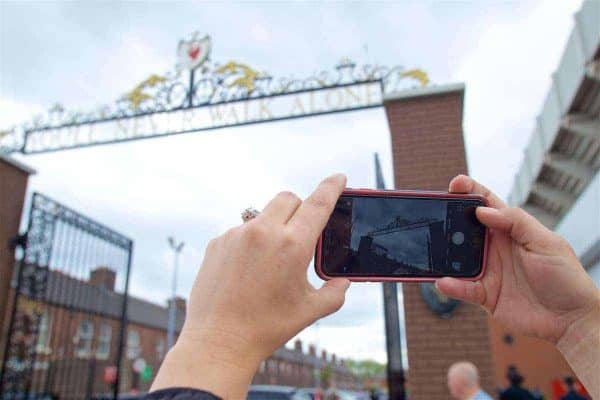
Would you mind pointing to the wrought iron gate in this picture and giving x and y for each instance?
(69, 307)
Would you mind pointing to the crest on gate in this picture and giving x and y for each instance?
(194, 52)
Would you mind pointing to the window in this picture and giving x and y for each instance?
(160, 348)
(104, 337)
(44, 329)
(133, 344)
(83, 339)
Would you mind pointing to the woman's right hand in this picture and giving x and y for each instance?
(534, 282)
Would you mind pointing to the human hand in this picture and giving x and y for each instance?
(252, 295)
(534, 282)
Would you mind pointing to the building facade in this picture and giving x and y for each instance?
(558, 181)
(77, 343)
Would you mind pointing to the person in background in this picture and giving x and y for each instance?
(571, 392)
(463, 382)
(252, 294)
(515, 391)
(537, 394)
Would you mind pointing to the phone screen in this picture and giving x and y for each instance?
(403, 237)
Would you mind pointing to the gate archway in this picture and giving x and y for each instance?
(72, 273)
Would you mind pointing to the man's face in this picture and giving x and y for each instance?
(455, 385)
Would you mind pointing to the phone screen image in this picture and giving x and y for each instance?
(381, 236)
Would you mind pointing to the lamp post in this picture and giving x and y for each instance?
(176, 247)
(395, 374)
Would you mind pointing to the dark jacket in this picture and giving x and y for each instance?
(516, 393)
(180, 394)
(572, 395)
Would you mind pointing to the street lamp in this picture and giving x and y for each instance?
(176, 247)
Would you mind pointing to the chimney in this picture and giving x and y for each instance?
(324, 355)
(333, 359)
(103, 277)
(179, 304)
(312, 350)
(298, 345)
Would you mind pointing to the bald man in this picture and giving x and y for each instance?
(463, 382)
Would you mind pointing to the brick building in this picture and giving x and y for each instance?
(77, 342)
(294, 367)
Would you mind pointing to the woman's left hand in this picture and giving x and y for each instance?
(252, 295)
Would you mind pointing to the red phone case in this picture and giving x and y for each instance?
(403, 193)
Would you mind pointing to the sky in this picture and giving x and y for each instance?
(194, 186)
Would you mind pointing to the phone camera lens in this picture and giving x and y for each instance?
(458, 238)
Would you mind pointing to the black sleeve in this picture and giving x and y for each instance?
(180, 394)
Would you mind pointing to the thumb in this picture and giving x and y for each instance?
(521, 226)
(330, 297)
(471, 292)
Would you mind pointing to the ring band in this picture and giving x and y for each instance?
(249, 213)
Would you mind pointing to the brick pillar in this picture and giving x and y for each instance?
(428, 150)
(13, 183)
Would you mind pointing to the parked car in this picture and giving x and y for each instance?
(276, 392)
(122, 396)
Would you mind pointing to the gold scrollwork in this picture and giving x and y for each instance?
(417, 74)
(30, 307)
(137, 96)
(246, 80)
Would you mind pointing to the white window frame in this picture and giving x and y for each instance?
(83, 340)
(160, 348)
(42, 345)
(104, 341)
(133, 346)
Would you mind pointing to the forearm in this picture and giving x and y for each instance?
(580, 345)
(204, 365)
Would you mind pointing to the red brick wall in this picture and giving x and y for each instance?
(527, 354)
(13, 183)
(428, 150)
(61, 371)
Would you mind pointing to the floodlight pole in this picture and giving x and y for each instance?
(395, 374)
(176, 247)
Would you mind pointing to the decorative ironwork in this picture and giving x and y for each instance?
(59, 250)
(210, 84)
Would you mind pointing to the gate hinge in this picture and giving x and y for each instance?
(17, 241)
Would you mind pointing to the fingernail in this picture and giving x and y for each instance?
(488, 210)
(339, 175)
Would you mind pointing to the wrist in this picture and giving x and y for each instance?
(585, 326)
(580, 346)
(210, 360)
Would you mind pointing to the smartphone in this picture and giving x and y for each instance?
(388, 235)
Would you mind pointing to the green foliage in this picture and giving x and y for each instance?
(366, 369)
(325, 376)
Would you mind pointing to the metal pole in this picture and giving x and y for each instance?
(395, 374)
(172, 306)
(123, 328)
(191, 89)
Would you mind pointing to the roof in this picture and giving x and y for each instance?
(562, 155)
(425, 91)
(67, 291)
(300, 357)
(17, 164)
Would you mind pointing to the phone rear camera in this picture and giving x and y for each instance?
(456, 265)
(458, 238)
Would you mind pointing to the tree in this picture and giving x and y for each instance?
(366, 369)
